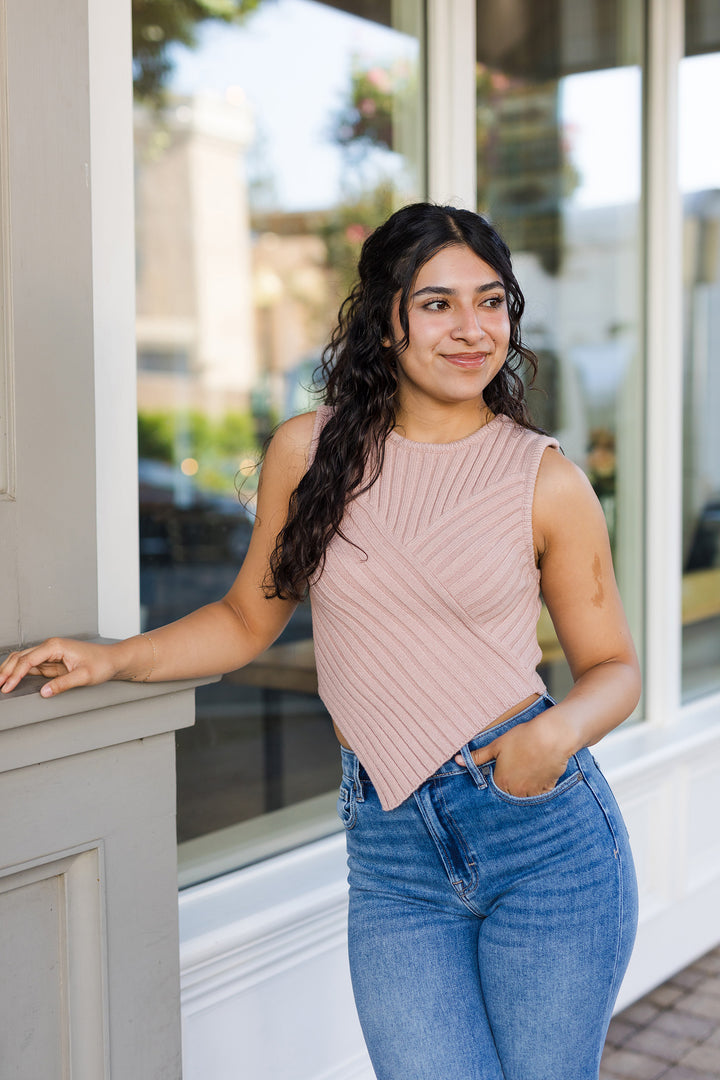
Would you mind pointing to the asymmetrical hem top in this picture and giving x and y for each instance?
(425, 614)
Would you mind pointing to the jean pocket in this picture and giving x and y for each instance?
(569, 779)
(347, 805)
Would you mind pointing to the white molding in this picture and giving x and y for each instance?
(452, 135)
(7, 387)
(354, 1068)
(630, 752)
(663, 319)
(262, 947)
(113, 232)
(274, 913)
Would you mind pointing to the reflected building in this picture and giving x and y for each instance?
(233, 308)
(195, 321)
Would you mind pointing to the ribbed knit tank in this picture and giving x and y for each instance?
(426, 631)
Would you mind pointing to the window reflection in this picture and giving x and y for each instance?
(264, 154)
(700, 184)
(559, 151)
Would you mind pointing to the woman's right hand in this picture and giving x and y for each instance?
(66, 662)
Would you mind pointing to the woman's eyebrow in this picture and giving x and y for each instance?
(444, 291)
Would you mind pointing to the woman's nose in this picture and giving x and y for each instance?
(469, 326)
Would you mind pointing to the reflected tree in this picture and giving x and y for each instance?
(157, 25)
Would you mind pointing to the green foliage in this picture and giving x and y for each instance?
(218, 444)
(156, 436)
(158, 24)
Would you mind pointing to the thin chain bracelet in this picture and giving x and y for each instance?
(134, 678)
(154, 659)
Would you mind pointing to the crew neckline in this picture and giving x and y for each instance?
(474, 436)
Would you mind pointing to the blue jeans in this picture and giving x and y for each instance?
(488, 934)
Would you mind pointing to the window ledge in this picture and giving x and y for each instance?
(639, 747)
(34, 729)
(25, 706)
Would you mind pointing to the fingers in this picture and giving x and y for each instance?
(48, 671)
(481, 756)
(517, 769)
(65, 661)
(44, 659)
(15, 667)
(77, 677)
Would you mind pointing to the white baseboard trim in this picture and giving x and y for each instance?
(354, 1068)
(246, 953)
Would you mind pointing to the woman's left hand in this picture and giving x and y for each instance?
(529, 758)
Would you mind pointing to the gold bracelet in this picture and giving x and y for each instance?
(134, 678)
(154, 659)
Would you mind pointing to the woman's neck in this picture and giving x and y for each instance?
(441, 425)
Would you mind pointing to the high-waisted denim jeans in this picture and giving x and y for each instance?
(488, 934)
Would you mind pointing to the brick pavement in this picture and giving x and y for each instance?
(671, 1034)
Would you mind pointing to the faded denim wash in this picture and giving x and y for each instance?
(488, 934)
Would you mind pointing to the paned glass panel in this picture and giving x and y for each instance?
(559, 93)
(270, 137)
(700, 186)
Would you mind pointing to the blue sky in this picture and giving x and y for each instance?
(293, 60)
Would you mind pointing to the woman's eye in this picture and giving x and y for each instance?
(436, 305)
(494, 301)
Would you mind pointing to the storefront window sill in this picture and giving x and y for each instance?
(638, 747)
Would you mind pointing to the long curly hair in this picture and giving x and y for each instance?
(358, 370)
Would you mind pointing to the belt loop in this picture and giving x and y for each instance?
(472, 768)
(357, 782)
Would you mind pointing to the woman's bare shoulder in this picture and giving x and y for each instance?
(296, 433)
(558, 476)
(564, 498)
(289, 448)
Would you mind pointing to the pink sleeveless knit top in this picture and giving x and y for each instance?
(426, 631)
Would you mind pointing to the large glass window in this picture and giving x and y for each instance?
(700, 185)
(270, 138)
(559, 96)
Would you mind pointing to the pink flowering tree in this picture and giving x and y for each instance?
(367, 119)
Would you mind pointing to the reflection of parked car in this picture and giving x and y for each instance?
(181, 523)
(704, 552)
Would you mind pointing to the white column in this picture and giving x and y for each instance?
(664, 364)
(452, 135)
(113, 290)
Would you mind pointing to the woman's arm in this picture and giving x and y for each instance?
(219, 637)
(579, 589)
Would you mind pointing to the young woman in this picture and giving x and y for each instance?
(492, 892)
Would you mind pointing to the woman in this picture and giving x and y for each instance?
(492, 893)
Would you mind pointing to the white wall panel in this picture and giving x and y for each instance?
(702, 783)
(265, 982)
(649, 819)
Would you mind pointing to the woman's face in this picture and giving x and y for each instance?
(459, 330)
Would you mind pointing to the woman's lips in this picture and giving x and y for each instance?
(469, 360)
